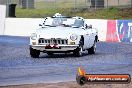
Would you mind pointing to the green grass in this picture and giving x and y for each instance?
(111, 13)
(39, 13)
(67, 7)
(60, 4)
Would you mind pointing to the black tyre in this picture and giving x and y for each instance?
(92, 50)
(50, 53)
(34, 53)
(78, 52)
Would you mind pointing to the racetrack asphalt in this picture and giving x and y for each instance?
(17, 67)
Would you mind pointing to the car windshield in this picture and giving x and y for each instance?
(78, 23)
(53, 22)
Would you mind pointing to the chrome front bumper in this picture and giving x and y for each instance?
(61, 47)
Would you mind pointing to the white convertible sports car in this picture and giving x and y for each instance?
(59, 34)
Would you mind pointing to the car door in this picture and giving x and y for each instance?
(92, 38)
(87, 38)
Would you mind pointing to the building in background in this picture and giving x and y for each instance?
(110, 3)
(27, 4)
(118, 3)
(97, 3)
(4, 2)
(30, 4)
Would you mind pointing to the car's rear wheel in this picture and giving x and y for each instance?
(34, 53)
(92, 50)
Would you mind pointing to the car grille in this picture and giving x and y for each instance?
(52, 41)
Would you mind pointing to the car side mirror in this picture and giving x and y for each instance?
(90, 26)
(86, 26)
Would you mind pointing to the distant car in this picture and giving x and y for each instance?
(60, 34)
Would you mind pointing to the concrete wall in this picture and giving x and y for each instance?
(21, 26)
(2, 18)
(25, 26)
(100, 25)
(108, 30)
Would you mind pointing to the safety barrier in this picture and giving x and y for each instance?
(2, 18)
(119, 31)
(100, 25)
(108, 30)
(21, 26)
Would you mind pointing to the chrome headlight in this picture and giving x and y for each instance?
(33, 36)
(73, 37)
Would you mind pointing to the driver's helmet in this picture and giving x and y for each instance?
(57, 15)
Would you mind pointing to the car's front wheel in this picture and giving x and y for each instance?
(34, 53)
(92, 50)
(78, 52)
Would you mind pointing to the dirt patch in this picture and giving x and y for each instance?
(71, 85)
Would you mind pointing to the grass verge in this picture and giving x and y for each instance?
(111, 13)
